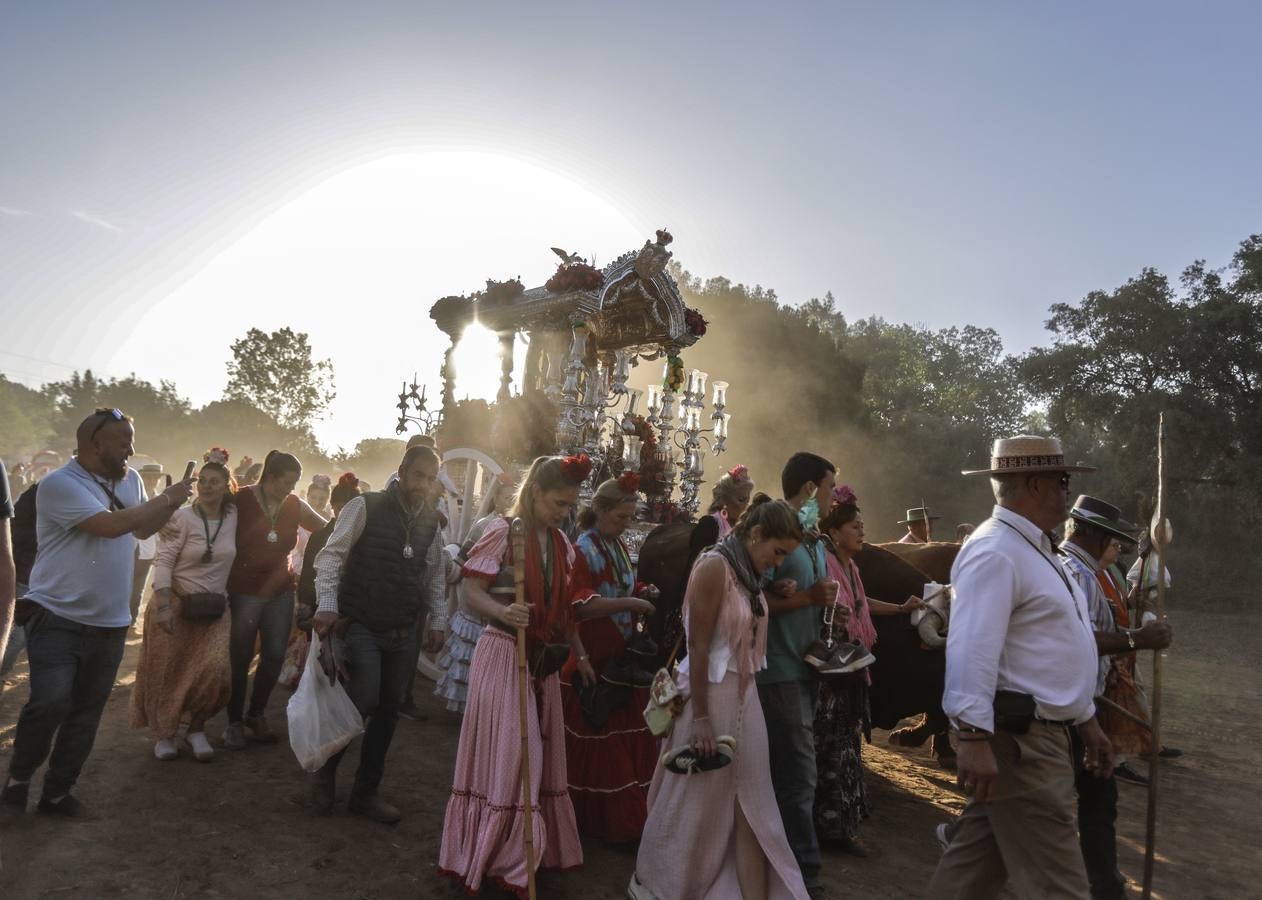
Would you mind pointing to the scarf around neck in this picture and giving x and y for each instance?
(733, 550)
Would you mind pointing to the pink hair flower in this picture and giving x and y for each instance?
(842, 494)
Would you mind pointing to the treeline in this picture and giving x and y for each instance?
(900, 408)
(903, 408)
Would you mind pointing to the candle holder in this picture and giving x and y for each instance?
(412, 408)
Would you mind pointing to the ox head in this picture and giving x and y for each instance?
(937, 612)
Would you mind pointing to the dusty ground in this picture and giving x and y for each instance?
(240, 826)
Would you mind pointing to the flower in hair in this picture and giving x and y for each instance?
(216, 455)
(844, 496)
(740, 473)
(321, 481)
(575, 469)
(629, 482)
(347, 479)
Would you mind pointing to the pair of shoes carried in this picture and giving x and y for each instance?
(373, 807)
(234, 736)
(165, 750)
(685, 761)
(66, 806)
(1126, 773)
(626, 672)
(259, 729)
(200, 744)
(15, 793)
(845, 658)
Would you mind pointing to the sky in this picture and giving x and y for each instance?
(172, 175)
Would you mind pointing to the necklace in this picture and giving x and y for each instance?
(272, 536)
(409, 522)
(209, 555)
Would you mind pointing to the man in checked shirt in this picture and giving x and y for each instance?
(382, 562)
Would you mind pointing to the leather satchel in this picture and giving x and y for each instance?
(203, 607)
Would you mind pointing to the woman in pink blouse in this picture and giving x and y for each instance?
(184, 670)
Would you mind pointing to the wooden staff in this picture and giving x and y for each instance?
(1160, 538)
(523, 704)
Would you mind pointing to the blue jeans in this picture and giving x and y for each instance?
(17, 640)
(72, 674)
(270, 619)
(380, 667)
(789, 708)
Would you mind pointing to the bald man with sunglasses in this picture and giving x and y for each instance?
(76, 609)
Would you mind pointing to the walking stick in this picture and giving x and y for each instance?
(1160, 538)
(523, 706)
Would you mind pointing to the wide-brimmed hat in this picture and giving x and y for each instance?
(151, 469)
(1105, 516)
(918, 514)
(1027, 453)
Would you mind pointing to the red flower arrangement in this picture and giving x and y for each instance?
(575, 277)
(629, 482)
(575, 469)
(695, 321)
(216, 455)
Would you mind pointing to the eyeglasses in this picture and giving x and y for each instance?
(112, 414)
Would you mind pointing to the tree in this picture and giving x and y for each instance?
(25, 420)
(276, 373)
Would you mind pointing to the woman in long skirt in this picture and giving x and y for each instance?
(713, 835)
(484, 828)
(184, 672)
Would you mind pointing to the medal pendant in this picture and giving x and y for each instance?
(407, 551)
(273, 537)
(208, 556)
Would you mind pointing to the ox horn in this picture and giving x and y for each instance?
(928, 629)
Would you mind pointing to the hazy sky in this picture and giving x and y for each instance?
(173, 174)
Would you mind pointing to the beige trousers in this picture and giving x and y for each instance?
(1027, 835)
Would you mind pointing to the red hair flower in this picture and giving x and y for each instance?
(629, 482)
(740, 473)
(844, 496)
(348, 479)
(575, 469)
(216, 455)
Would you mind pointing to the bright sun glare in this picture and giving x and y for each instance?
(357, 261)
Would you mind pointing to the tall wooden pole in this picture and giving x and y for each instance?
(523, 705)
(1160, 538)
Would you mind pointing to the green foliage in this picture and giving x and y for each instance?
(276, 373)
(24, 420)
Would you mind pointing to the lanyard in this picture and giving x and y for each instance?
(115, 503)
(210, 541)
(1051, 562)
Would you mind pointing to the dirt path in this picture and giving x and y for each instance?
(241, 827)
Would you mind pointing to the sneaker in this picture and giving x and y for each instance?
(1126, 773)
(234, 736)
(165, 750)
(67, 806)
(846, 658)
(202, 751)
(637, 891)
(373, 807)
(684, 760)
(259, 729)
(944, 839)
(15, 793)
(816, 654)
(642, 645)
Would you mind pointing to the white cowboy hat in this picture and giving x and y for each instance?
(1027, 453)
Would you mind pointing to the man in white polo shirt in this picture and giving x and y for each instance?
(76, 609)
(1020, 672)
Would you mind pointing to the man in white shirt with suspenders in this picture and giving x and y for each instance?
(1020, 672)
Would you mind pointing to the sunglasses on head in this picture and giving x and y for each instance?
(111, 414)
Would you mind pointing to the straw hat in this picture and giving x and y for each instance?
(1105, 516)
(1027, 453)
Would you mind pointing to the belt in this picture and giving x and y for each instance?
(1059, 723)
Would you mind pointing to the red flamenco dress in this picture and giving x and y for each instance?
(610, 767)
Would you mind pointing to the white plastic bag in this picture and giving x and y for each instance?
(322, 718)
